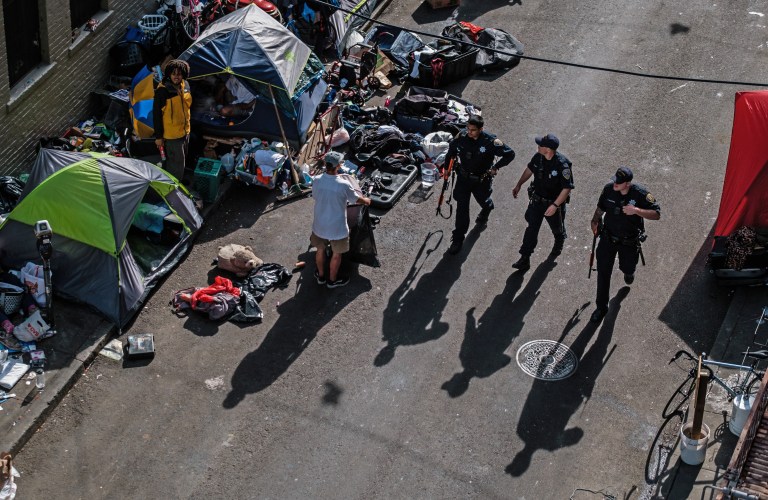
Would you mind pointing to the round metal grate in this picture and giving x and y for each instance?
(547, 360)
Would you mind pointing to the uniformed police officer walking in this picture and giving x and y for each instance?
(549, 192)
(476, 152)
(625, 206)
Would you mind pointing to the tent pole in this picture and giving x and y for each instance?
(294, 174)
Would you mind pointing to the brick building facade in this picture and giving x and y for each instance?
(55, 93)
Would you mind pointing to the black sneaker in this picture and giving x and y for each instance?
(338, 283)
(455, 247)
(598, 315)
(523, 263)
(320, 279)
(629, 278)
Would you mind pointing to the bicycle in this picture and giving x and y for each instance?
(688, 362)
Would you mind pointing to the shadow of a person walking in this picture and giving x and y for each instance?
(300, 318)
(412, 315)
(550, 405)
(486, 339)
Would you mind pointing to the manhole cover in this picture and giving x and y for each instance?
(546, 360)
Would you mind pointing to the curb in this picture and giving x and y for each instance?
(63, 379)
(58, 386)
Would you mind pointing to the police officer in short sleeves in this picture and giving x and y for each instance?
(625, 207)
(548, 194)
(476, 152)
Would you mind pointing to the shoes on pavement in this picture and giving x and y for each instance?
(598, 315)
(338, 283)
(455, 247)
(320, 279)
(557, 248)
(629, 278)
(523, 263)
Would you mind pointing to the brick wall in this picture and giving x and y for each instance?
(61, 98)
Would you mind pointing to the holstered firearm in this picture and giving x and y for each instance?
(640, 239)
(447, 173)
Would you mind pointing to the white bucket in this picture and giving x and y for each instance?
(693, 451)
(739, 413)
(428, 175)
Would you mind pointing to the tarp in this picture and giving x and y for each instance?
(141, 99)
(91, 200)
(344, 22)
(744, 200)
(271, 62)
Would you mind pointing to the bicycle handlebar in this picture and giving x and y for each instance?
(678, 354)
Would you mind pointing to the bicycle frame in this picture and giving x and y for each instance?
(708, 363)
(732, 366)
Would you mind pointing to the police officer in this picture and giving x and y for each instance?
(549, 192)
(476, 152)
(625, 206)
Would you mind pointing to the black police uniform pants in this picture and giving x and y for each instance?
(465, 188)
(606, 255)
(534, 215)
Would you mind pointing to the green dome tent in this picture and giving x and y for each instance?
(94, 203)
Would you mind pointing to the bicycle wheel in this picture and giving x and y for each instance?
(679, 398)
(663, 448)
(754, 385)
(190, 23)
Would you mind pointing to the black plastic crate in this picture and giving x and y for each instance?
(455, 66)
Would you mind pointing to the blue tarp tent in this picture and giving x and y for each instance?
(272, 63)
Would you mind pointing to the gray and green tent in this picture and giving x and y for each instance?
(93, 202)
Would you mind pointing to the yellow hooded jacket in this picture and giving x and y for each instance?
(171, 111)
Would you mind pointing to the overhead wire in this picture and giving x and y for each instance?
(543, 59)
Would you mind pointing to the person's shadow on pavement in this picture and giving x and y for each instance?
(413, 315)
(486, 339)
(299, 320)
(550, 404)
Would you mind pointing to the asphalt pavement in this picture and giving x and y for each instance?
(406, 382)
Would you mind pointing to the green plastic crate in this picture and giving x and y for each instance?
(207, 178)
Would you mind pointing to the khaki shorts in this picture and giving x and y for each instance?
(337, 246)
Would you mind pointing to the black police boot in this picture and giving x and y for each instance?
(629, 278)
(523, 263)
(598, 315)
(557, 248)
(482, 217)
(455, 247)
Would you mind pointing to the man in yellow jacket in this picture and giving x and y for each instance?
(171, 114)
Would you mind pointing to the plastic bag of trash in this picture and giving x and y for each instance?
(113, 350)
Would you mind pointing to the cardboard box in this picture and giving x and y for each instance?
(439, 4)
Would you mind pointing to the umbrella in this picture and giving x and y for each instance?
(141, 97)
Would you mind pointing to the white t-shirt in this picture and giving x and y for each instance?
(331, 194)
(238, 91)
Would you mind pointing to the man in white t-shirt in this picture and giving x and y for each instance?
(236, 99)
(329, 227)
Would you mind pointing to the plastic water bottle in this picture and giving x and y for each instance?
(40, 379)
(284, 188)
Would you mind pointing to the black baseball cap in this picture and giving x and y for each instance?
(623, 174)
(548, 141)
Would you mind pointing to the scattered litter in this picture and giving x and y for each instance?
(141, 346)
(678, 88)
(215, 383)
(113, 350)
